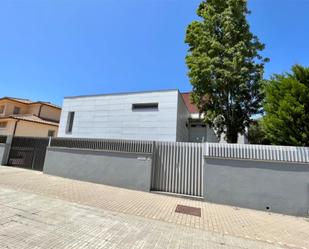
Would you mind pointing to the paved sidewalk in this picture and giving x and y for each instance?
(35, 221)
(248, 225)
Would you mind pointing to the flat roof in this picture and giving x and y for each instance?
(121, 93)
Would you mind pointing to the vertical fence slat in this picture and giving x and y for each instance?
(259, 152)
(180, 168)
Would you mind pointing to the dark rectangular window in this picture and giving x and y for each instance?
(2, 109)
(16, 110)
(70, 122)
(51, 133)
(3, 124)
(145, 106)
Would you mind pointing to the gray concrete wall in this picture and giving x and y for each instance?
(2, 150)
(127, 170)
(282, 187)
(182, 129)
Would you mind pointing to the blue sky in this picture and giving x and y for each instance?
(55, 48)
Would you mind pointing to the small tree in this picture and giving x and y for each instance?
(225, 67)
(287, 108)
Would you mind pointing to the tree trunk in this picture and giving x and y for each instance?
(231, 135)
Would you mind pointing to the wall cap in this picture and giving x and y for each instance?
(53, 148)
(254, 160)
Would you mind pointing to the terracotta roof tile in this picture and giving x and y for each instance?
(191, 107)
(33, 118)
(46, 103)
(26, 101)
(30, 102)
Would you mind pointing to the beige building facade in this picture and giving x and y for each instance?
(23, 117)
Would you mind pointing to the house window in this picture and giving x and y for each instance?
(3, 124)
(16, 110)
(51, 133)
(198, 125)
(2, 109)
(145, 106)
(70, 122)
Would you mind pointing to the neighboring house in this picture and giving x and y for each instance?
(164, 115)
(23, 117)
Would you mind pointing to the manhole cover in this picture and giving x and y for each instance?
(188, 210)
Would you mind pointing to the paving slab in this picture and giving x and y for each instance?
(35, 221)
(230, 223)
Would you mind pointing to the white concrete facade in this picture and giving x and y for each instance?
(111, 116)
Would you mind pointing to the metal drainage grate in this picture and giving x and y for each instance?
(188, 210)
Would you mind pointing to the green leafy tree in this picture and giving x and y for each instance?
(256, 134)
(287, 108)
(225, 67)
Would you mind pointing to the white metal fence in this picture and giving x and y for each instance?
(178, 168)
(104, 144)
(258, 152)
(237, 151)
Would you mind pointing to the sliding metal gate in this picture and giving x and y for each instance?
(178, 168)
(28, 152)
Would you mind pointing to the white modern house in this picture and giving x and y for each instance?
(165, 115)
